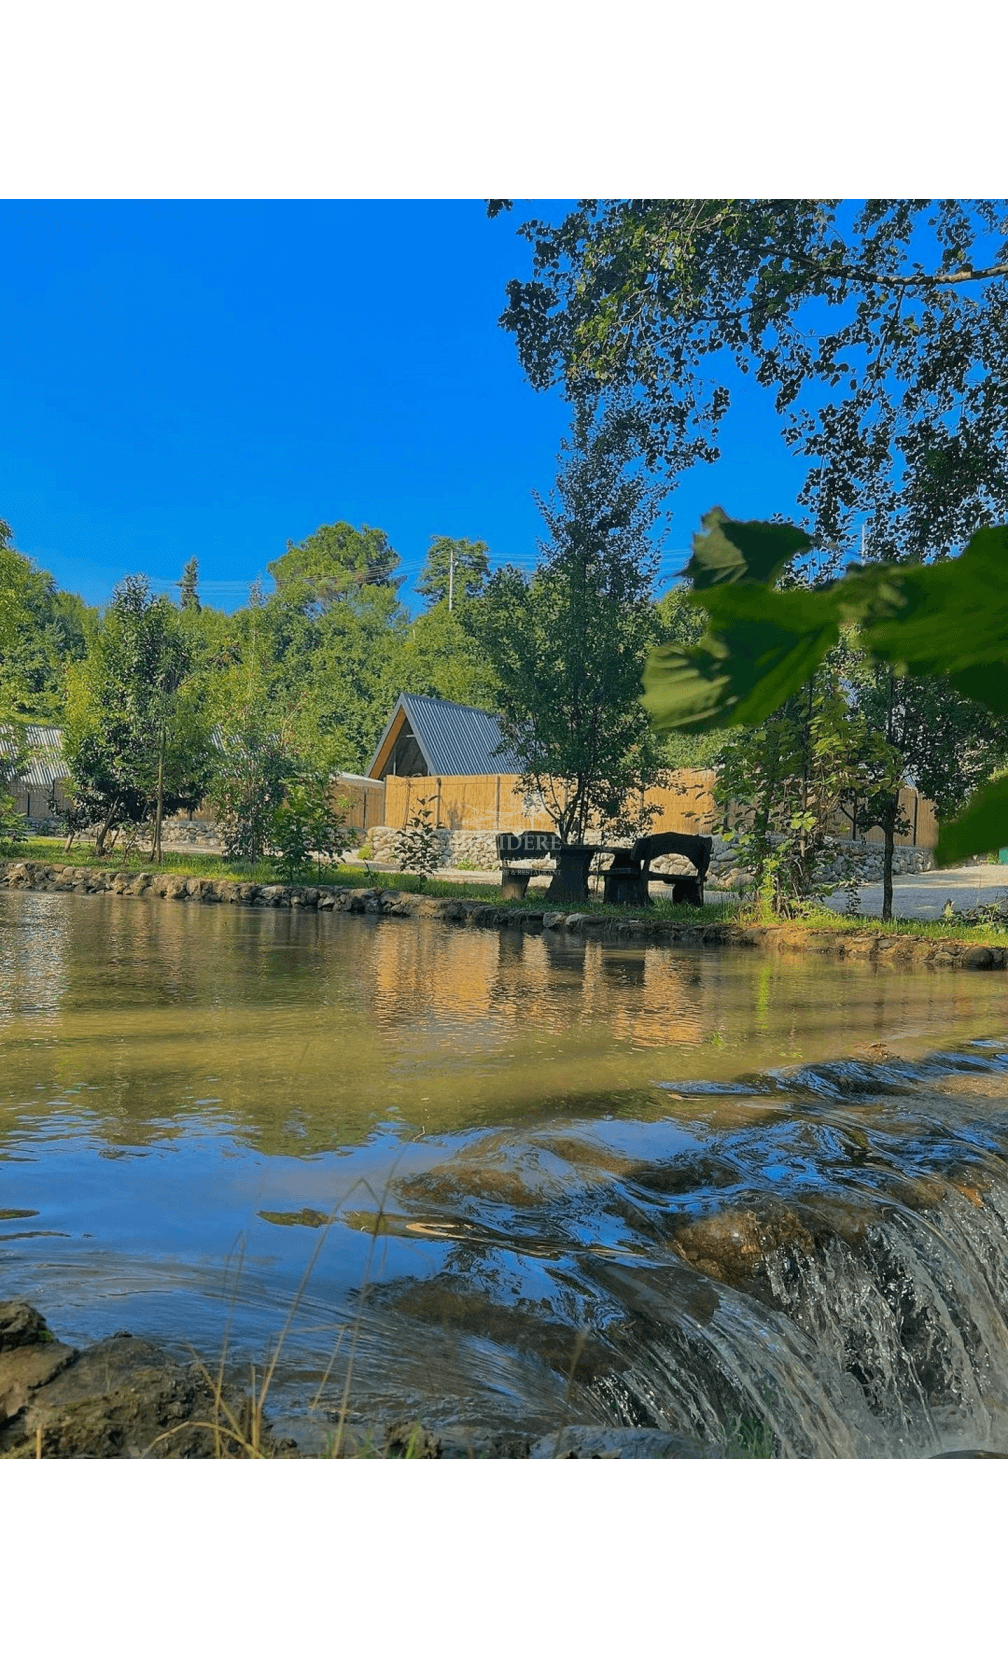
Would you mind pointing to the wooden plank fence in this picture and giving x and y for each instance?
(685, 805)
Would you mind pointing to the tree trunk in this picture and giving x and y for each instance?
(159, 812)
(106, 826)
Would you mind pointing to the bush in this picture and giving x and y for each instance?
(416, 844)
(307, 823)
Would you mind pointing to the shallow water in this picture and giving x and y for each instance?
(727, 1194)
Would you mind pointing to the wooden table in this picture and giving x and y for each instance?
(573, 863)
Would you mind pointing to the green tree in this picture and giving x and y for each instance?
(455, 569)
(188, 596)
(335, 562)
(439, 655)
(786, 782)
(255, 769)
(41, 632)
(137, 742)
(416, 843)
(567, 647)
(879, 328)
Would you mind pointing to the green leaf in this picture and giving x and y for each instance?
(952, 619)
(983, 827)
(762, 648)
(733, 551)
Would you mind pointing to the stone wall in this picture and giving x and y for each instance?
(476, 849)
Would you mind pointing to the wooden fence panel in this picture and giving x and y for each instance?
(492, 803)
(686, 806)
(364, 797)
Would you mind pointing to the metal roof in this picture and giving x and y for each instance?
(44, 766)
(455, 741)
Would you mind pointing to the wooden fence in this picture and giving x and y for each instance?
(685, 805)
(364, 798)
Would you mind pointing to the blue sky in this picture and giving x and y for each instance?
(211, 379)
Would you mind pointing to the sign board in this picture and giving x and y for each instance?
(534, 843)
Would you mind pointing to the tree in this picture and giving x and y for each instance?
(568, 646)
(335, 562)
(137, 742)
(252, 777)
(41, 632)
(879, 328)
(785, 783)
(188, 596)
(453, 570)
(946, 624)
(439, 655)
(947, 745)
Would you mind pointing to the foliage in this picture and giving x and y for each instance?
(878, 327)
(188, 596)
(252, 776)
(334, 563)
(440, 655)
(946, 623)
(568, 647)
(41, 631)
(13, 753)
(786, 781)
(416, 845)
(134, 717)
(306, 824)
(290, 836)
(460, 567)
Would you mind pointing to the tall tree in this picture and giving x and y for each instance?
(188, 596)
(335, 562)
(881, 329)
(568, 646)
(453, 570)
(137, 739)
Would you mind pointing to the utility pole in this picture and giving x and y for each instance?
(451, 577)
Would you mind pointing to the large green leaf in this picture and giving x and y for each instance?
(733, 551)
(763, 646)
(947, 620)
(952, 619)
(982, 827)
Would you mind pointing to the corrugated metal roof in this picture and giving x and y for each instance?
(455, 741)
(44, 766)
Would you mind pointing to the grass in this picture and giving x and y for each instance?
(242, 1432)
(211, 866)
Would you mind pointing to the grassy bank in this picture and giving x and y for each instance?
(49, 850)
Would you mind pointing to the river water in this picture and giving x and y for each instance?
(747, 1199)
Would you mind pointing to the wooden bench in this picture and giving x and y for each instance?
(534, 843)
(626, 879)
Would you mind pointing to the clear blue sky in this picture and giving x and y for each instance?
(211, 379)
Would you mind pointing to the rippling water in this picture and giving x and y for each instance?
(733, 1196)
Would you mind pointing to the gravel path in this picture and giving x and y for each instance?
(923, 897)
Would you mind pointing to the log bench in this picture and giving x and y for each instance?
(534, 843)
(626, 879)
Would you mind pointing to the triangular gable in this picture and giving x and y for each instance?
(453, 739)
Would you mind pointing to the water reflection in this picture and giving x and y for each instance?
(536, 1117)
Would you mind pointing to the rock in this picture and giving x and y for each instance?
(553, 919)
(122, 1397)
(21, 1326)
(978, 957)
(575, 923)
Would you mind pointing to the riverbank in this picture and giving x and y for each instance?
(128, 1397)
(902, 945)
